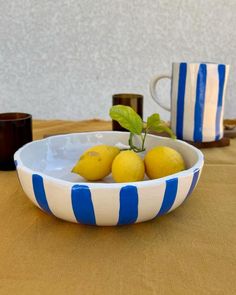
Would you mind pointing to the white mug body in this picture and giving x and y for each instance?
(197, 100)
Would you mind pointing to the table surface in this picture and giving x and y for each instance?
(189, 251)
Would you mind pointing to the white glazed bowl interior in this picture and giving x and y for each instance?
(44, 169)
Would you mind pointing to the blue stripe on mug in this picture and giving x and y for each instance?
(200, 102)
(39, 192)
(128, 205)
(180, 100)
(169, 196)
(221, 73)
(194, 181)
(82, 204)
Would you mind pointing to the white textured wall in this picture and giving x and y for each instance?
(65, 58)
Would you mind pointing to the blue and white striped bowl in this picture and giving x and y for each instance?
(44, 167)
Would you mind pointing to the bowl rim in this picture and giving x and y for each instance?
(149, 182)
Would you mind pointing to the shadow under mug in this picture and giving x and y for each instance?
(197, 100)
(15, 131)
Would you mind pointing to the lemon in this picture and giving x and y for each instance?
(127, 167)
(162, 161)
(95, 163)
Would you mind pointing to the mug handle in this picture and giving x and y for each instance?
(152, 88)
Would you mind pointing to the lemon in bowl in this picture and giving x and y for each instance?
(162, 161)
(95, 163)
(128, 167)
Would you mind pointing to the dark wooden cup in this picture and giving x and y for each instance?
(135, 101)
(15, 131)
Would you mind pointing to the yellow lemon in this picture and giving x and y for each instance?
(127, 167)
(162, 161)
(95, 163)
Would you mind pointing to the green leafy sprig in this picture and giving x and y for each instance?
(131, 121)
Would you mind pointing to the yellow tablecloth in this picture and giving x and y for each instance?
(189, 251)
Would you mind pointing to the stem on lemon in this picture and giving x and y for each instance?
(135, 148)
(143, 140)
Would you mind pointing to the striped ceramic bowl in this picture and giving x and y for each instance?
(44, 170)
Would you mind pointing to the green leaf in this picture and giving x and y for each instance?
(163, 127)
(153, 121)
(127, 118)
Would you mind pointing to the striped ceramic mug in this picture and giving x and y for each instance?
(197, 100)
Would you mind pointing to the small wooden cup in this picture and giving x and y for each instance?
(15, 131)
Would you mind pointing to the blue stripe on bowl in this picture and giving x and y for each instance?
(200, 102)
(194, 181)
(180, 100)
(128, 205)
(82, 204)
(169, 196)
(221, 73)
(39, 192)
